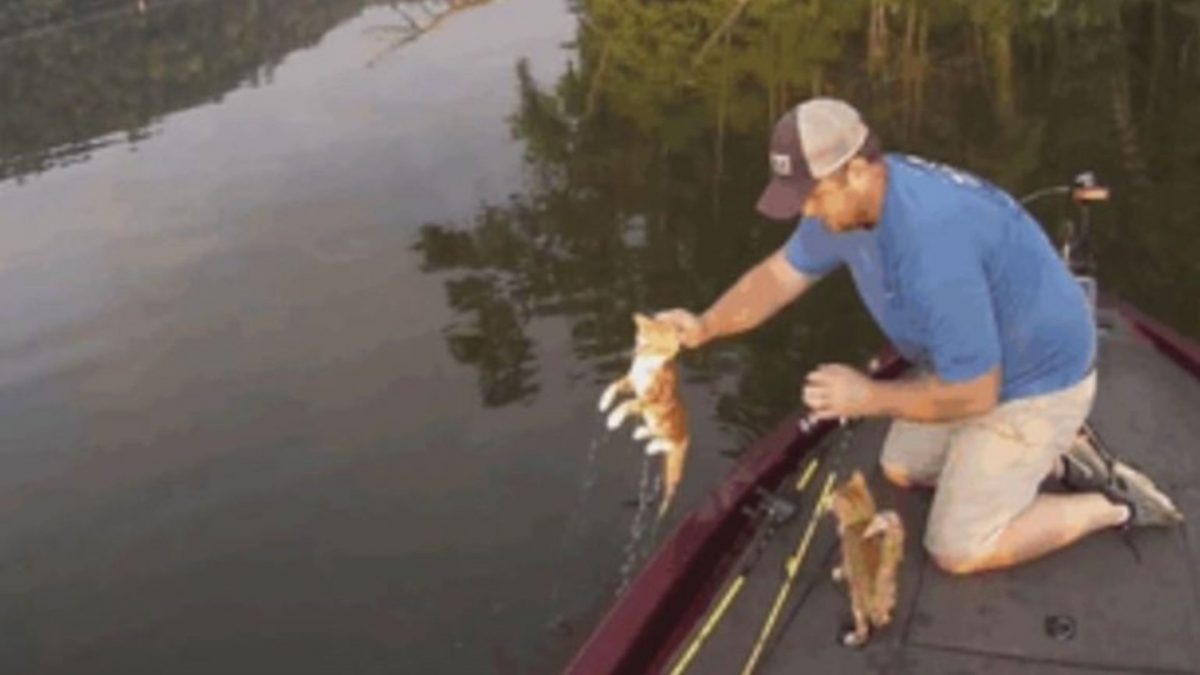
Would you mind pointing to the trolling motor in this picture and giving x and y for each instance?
(1077, 250)
(1077, 245)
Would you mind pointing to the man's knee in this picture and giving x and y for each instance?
(960, 557)
(896, 474)
(956, 563)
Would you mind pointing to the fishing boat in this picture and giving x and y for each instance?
(743, 583)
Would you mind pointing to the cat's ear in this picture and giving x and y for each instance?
(641, 320)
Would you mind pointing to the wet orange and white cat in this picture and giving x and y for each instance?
(872, 548)
(653, 381)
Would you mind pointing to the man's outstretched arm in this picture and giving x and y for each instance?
(757, 296)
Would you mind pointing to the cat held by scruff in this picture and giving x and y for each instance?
(872, 549)
(653, 380)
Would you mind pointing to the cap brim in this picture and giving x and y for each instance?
(784, 199)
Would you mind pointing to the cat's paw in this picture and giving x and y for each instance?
(881, 523)
(610, 393)
(641, 433)
(852, 638)
(659, 446)
(838, 574)
(617, 416)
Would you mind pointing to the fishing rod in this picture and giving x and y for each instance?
(772, 512)
(791, 568)
(807, 425)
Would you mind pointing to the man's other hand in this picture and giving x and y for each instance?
(835, 390)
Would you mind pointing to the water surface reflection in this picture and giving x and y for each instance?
(305, 306)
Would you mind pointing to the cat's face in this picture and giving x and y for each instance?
(656, 338)
(852, 502)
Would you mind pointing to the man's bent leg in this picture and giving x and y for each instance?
(1051, 522)
(987, 512)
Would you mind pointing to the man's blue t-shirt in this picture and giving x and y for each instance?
(961, 279)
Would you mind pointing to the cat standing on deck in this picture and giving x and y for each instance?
(654, 382)
(872, 548)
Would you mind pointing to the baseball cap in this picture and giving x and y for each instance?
(811, 141)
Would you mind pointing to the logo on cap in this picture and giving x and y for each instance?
(781, 165)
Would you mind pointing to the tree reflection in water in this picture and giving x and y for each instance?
(83, 75)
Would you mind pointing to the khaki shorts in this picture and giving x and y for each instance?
(987, 468)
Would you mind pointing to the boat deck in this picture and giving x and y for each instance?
(1112, 603)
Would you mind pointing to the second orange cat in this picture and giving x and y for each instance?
(872, 550)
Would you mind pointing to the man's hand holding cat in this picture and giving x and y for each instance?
(835, 390)
(689, 327)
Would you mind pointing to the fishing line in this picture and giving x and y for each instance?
(637, 528)
(575, 522)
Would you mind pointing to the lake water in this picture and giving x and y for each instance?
(305, 305)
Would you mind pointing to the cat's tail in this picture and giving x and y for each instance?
(673, 462)
(890, 528)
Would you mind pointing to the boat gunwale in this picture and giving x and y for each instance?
(1181, 350)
